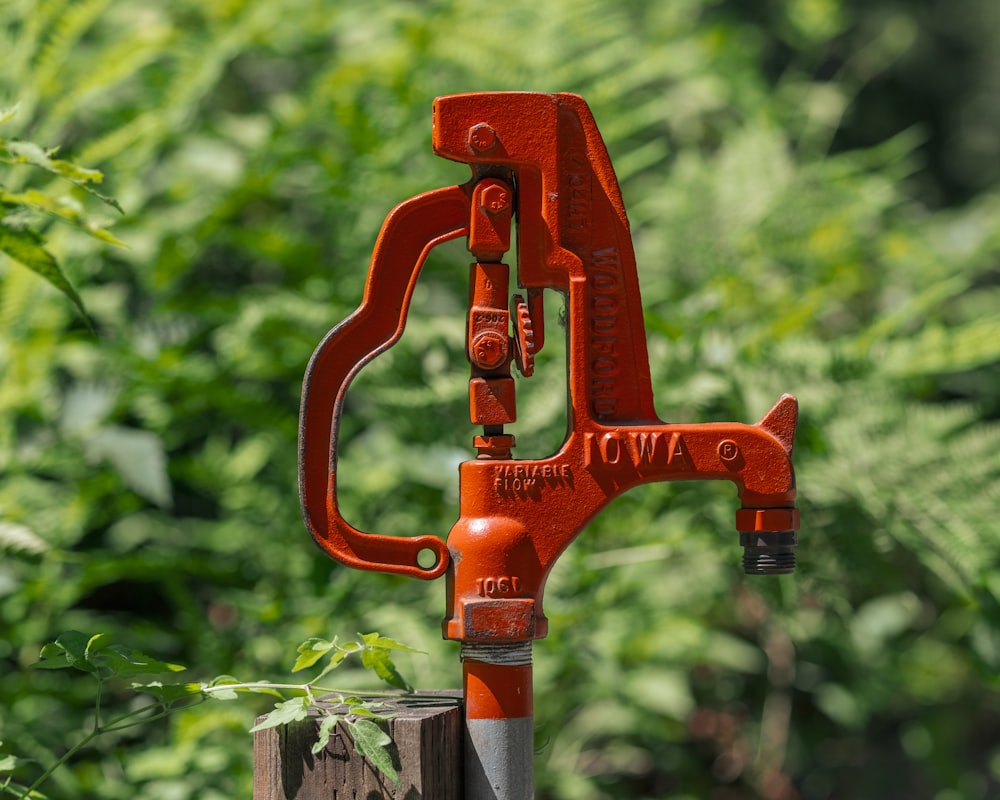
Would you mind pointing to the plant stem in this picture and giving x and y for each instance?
(65, 757)
(113, 725)
(97, 704)
(306, 688)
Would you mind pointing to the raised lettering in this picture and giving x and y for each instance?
(678, 452)
(651, 450)
(604, 303)
(528, 481)
(498, 585)
(641, 451)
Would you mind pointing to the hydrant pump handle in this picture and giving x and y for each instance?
(410, 231)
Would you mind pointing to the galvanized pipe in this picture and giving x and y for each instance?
(499, 722)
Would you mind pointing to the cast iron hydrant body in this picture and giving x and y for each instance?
(539, 159)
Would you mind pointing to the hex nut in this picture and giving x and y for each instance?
(482, 138)
(494, 199)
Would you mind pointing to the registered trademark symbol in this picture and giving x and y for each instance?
(729, 450)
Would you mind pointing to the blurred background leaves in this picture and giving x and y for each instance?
(813, 190)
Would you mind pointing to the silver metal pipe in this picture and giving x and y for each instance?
(499, 724)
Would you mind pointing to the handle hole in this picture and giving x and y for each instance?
(427, 559)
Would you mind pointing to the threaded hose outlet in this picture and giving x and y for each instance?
(769, 552)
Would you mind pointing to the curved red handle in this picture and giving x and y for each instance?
(408, 234)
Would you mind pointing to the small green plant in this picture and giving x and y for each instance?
(105, 662)
(24, 212)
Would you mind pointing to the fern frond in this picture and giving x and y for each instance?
(145, 127)
(67, 30)
(16, 538)
(117, 64)
(939, 349)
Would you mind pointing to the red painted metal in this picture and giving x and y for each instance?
(497, 691)
(540, 159)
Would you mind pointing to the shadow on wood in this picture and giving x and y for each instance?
(426, 731)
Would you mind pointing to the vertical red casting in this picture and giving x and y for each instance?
(539, 159)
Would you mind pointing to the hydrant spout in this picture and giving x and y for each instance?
(518, 517)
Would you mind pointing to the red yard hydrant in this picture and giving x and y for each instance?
(538, 158)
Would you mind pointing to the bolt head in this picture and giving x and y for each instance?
(489, 350)
(482, 138)
(494, 199)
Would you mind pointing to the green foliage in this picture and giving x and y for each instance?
(105, 661)
(147, 478)
(19, 240)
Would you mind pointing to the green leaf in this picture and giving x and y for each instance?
(65, 208)
(96, 643)
(369, 710)
(375, 640)
(18, 538)
(8, 763)
(125, 663)
(326, 729)
(372, 742)
(293, 710)
(336, 659)
(30, 153)
(8, 113)
(36, 155)
(224, 694)
(311, 651)
(380, 663)
(940, 349)
(138, 457)
(96, 653)
(27, 248)
(375, 656)
(169, 691)
(52, 657)
(68, 650)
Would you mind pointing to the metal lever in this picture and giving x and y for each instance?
(408, 234)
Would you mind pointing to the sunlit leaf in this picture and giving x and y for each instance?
(22, 152)
(311, 651)
(373, 743)
(326, 730)
(293, 710)
(28, 249)
(379, 661)
(169, 691)
(223, 693)
(31, 153)
(20, 538)
(68, 650)
(375, 640)
(125, 663)
(8, 113)
(64, 208)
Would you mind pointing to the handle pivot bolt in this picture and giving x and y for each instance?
(489, 349)
(482, 138)
(495, 200)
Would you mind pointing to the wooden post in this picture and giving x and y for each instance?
(427, 735)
